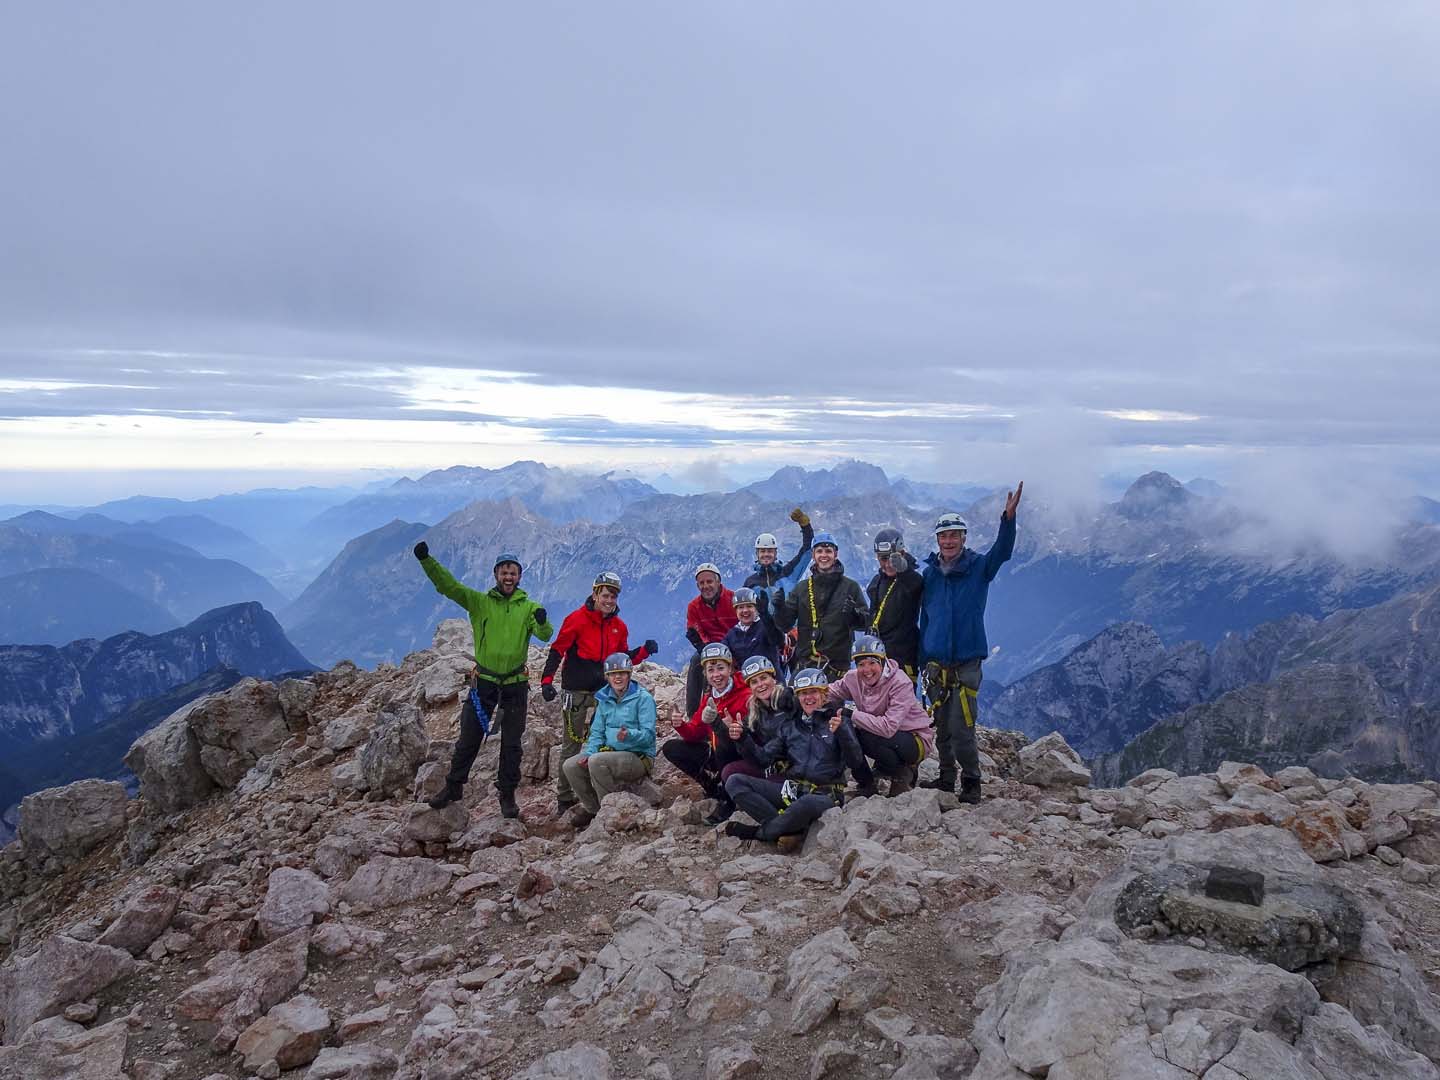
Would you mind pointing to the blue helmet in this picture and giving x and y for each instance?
(868, 645)
(507, 556)
(824, 538)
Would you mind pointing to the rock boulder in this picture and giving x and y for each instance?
(237, 728)
(61, 972)
(62, 824)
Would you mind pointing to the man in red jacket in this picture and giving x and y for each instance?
(708, 619)
(699, 750)
(588, 635)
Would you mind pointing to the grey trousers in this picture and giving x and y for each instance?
(602, 774)
(760, 798)
(576, 709)
(955, 722)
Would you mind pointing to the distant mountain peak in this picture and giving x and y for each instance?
(1154, 494)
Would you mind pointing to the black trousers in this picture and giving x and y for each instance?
(891, 755)
(760, 798)
(700, 761)
(505, 706)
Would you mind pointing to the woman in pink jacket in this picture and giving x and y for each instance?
(893, 727)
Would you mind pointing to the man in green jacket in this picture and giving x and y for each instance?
(503, 619)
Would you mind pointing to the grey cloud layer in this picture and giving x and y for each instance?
(1227, 211)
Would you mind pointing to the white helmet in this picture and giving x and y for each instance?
(707, 566)
(766, 540)
(948, 522)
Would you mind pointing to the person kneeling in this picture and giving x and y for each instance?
(621, 746)
(818, 743)
(892, 726)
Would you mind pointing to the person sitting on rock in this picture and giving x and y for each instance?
(698, 750)
(826, 608)
(772, 579)
(588, 635)
(621, 746)
(755, 634)
(503, 620)
(818, 743)
(892, 726)
(769, 701)
(708, 618)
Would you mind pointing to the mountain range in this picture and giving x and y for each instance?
(1161, 555)
(47, 692)
(1357, 692)
(72, 711)
(162, 573)
(1079, 619)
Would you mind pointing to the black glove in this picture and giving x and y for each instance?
(693, 636)
(422, 550)
(652, 647)
(548, 692)
(762, 603)
(540, 617)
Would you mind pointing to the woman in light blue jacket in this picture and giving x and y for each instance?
(621, 746)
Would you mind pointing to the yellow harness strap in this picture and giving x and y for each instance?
(880, 610)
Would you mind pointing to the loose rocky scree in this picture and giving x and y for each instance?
(279, 902)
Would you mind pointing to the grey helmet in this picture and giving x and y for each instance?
(743, 596)
(950, 521)
(868, 645)
(756, 665)
(618, 661)
(889, 542)
(507, 556)
(707, 567)
(812, 678)
(608, 578)
(716, 650)
(766, 540)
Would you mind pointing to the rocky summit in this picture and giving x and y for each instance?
(279, 901)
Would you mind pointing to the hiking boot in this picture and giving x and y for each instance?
(940, 783)
(563, 806)
(790, 843)
(970, 790)
(580, 816)
(866, 790)
(741, 830)
(720, 814)
(902, 782)
(450, 793)
(507, 804)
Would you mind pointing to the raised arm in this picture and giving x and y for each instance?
(807, 535)
(444, 581)
(1002, 549)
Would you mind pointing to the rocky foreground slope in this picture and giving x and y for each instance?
(277, 902)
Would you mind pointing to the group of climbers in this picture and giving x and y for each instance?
(780, 753)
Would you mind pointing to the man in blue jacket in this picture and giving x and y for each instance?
(952, 640)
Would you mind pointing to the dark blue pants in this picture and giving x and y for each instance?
(760, 798)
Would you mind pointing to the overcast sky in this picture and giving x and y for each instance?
(250, 241)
